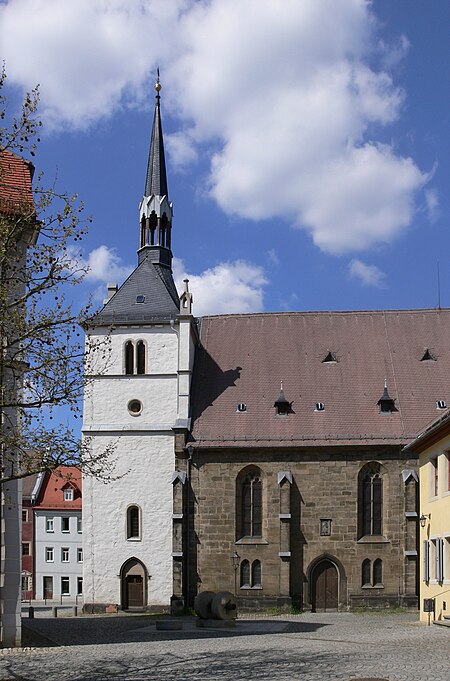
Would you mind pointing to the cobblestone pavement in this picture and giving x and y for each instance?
(309, 647)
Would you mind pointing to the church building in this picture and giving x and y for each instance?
(259, 453)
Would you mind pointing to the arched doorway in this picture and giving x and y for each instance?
(324, 586)
(133, 584)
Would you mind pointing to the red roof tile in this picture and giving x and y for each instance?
(243, 358)
(16, 175)
(52, 495)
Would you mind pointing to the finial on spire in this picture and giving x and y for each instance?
(158, 85)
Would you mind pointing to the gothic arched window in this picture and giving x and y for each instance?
(245, 574)
(365, 573)
(378, 572)
(370, 498)
(256, 573)
(251, 504)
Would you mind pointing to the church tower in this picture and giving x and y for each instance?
(137, 400)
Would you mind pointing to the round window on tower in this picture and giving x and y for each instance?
(135, 407)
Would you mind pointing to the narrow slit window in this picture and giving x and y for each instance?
(140, 351)
(129, 357)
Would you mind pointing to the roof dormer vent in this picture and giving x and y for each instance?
(140, 299)
(282, 405)
(319, 406)
(441, 404)
(428, 356)
(330, 358)
(241, 407)
(386, 403)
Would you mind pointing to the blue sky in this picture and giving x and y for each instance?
(307, 141)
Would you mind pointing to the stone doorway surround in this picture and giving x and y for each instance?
(133, 585)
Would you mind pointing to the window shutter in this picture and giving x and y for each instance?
(426, 561)
(439, 560)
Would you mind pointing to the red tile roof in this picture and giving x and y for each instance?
(52, 495)
(243, 358)
(16, 175)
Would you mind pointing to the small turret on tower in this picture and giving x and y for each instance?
(155, 210)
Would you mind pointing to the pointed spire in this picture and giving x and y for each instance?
(155, 210)
(156, 181)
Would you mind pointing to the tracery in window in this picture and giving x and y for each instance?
(251, 504)
(370, 498)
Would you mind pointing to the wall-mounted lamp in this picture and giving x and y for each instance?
(423, 519)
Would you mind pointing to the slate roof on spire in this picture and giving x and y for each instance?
(155, 283)
(156, 182)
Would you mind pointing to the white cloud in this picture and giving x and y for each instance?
(368, 275)
(229, 287)
(273, 257)
(432, 204)
(104, 265)
(283, 102)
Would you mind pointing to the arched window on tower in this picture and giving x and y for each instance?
(140, 359)
(129, 357)
(152, 223)
(143, 230)
(370, 500)
(133, 522)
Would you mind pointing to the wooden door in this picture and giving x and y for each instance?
(325, 586)
(135, 591)
(48, 587)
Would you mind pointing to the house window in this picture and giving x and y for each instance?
(133, 522)
(250, 574)
(64, 555)
(68, 494)
(251, 504)
(26, 583)
(25, 549)
(49, 554)
(79, 586)
(79, 524)
(65, 586)
(446, 559)
(49, 525)
(24, 516)
(370, 497)
(79, 554)
(437, 559)
(65, 527)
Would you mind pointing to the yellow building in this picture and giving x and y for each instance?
(433, 447)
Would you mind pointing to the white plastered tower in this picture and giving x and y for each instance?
(138, 399)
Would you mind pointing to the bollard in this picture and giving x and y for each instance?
(31, 613)
(74, 611)
(54, 611)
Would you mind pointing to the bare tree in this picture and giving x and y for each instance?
(42, 345)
